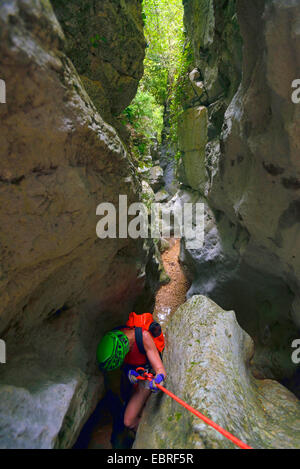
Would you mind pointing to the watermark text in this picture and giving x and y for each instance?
(159, 220)
(296, 353)
(296, 93)
(2, 92)
(2, 351)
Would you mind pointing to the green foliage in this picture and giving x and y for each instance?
(178, 156)
(177, 417)
(148, 199)
(179, 92)
(145, 117)
(155, 80)
(164, 33)
(169, 58)
(165, 36)
(144, 114)
(96, 40)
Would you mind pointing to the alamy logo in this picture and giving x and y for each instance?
(2, 351)
(2, 92)
(296, 93)
(188, 221)
(296, 353)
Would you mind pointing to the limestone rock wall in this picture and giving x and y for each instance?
(192, 140)
(61, 287)
(207, 360)
(250, 260)
(213, 29)
(105, 42)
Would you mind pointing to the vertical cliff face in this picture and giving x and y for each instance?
(105, 41)
(213, 31)
(60, 285)
(249, 261)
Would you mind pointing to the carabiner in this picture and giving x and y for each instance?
(141, 372)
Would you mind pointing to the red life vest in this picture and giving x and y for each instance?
(143, 322)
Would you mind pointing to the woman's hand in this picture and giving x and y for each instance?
(132, 376)
(158, 379)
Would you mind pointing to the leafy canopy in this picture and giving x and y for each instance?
(163, 62)
(165, 38)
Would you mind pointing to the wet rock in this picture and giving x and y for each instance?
(207, 360)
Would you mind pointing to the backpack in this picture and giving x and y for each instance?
(145, 322)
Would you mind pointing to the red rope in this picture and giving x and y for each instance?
(217, 427)
(214, 425)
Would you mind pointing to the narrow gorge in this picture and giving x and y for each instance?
(170, 103)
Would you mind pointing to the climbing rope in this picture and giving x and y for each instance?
(149, 376)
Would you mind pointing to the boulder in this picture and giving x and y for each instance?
(208, 360)
(162, 196)
(156, 174)
(164, 245)
(197, 84)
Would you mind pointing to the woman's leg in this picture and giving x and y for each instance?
(134, 407)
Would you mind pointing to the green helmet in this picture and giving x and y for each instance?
(112, 350)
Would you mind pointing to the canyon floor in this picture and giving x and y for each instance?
(171, 296)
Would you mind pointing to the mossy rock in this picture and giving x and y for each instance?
(207, 361)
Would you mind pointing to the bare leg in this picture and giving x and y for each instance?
(134, 408)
